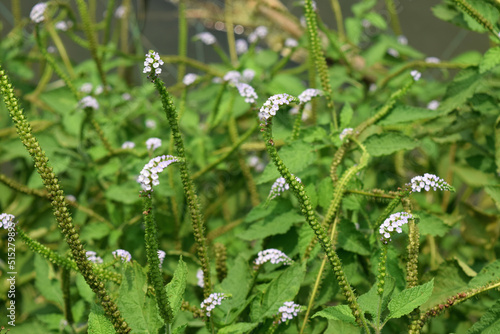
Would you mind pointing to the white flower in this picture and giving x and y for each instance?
(122, 254)
(37, 13)
(128, 145)
(206, 38)
(152, 62)
(88, 102)
(6, 220)
(308, 94)
(428, 181)
(153, 143)
(61, 25)
(291, 43)
(161, 257)
(241, 46)
(213, 300)
(92, 257)
(393, 223)
(272, 105)
(51, 49)
(248, 75)
(416, 75)
(71, 198)
(233, 77)
(373, 87)
(247, 92)
(199, 276)
(86, 88)
(393, 52)
(279, 187)
(149, 174)
(272, 255)
(433, 105)
(402, 40)
(126, 96)
(151, 124)
(346, 132)
(259, 32)
(432, 60)
(120, 12)
(189, 78)
(288, 311)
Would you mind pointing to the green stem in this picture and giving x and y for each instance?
(338, 17)
(228, 17)
(183, 39)
(396, 26)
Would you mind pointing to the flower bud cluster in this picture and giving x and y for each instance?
(122, 254)
(161, 257)
(308, 94)
(393, 223)
(272, 105)
(92, 257)
(153, 61)
(6, 220)
(37, 13)
(247, 92)
(428, 181)
(88, 102)
(149, 174)
(278, 187)
(272, 255)
(288, 311)
(212, 301)
(199, 276)
(206, 38)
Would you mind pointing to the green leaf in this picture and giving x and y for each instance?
(285, 83)
(431, 225)
(388, 143)
(489, 322)
(127, 192)
(490, 60)
(409, 299)
(353, 29)
(48, 287)
(369, 302)
(84, 289)
(271, 225)
(497, 144)
(339, 312)
(474, 177)
(404, 114)
(363, 7)
(176, 287)
(98, 323)
(352, 239)
(488, 11)
(489, 273)
(242, 327)
(296, 156)
(376, 20)
(494, 192)
(448, 280)
(94, 231)
(346, 116)
(463, 87)
(180, 329)
(140, 311)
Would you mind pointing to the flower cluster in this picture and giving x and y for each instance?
(416, 75)
(149, 174)
(206, 38)
(288, 311)
(279, 186)
(432, 60)
(433, 105)
(152, 61)
(247, 92)
(259, 32)
(122, 254)
(92, 257)
(6, 220)
(235, 77)
(88, 102)
(189, 78)
(120, 12)
(199, 276)
(153, 143)
(272, 105)
(161, 257)
(212, 301)
(128, 145)
(272, 255)
(428, 181)
(394, 222)
(63, 25)
(241, 46)
(308, 94)
(346, 132)
(150, 124)
(291, 43)
(37, 13)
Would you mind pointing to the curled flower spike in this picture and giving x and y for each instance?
(241, 46)
(161, 256)
(346, 132)
(122, 254)
(393, 223)
(247, 92)
(152, 63)
(88, 102)
(272, 105)
(199, 276)
(206, 38)
(278, 187)
(428, 181)
(212, 301)
(153, 143)
(189, 78)
(416, 75)
(37, 13)
(272, 255)
(288, 311)
(6, 220)
(149, 174)
(92, 257)
(308, 94)
(128, 145)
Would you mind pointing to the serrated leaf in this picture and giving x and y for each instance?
(463, 87)
(431, 225)
(125, 193)
(49, 288)
(339, 312)
(388, 143)
(490, 60)
(176, 287)
(488, 11)
(489, 322)
(448, 280)
(271, 225)
(409, 299)
(497, 144)
(285, 83)
(352, 240)
(353, 29)
(369, 302)
(98, 323)
(242, 327)
(346, 116)
(404, 114)
(489, 273)
(180, 329)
